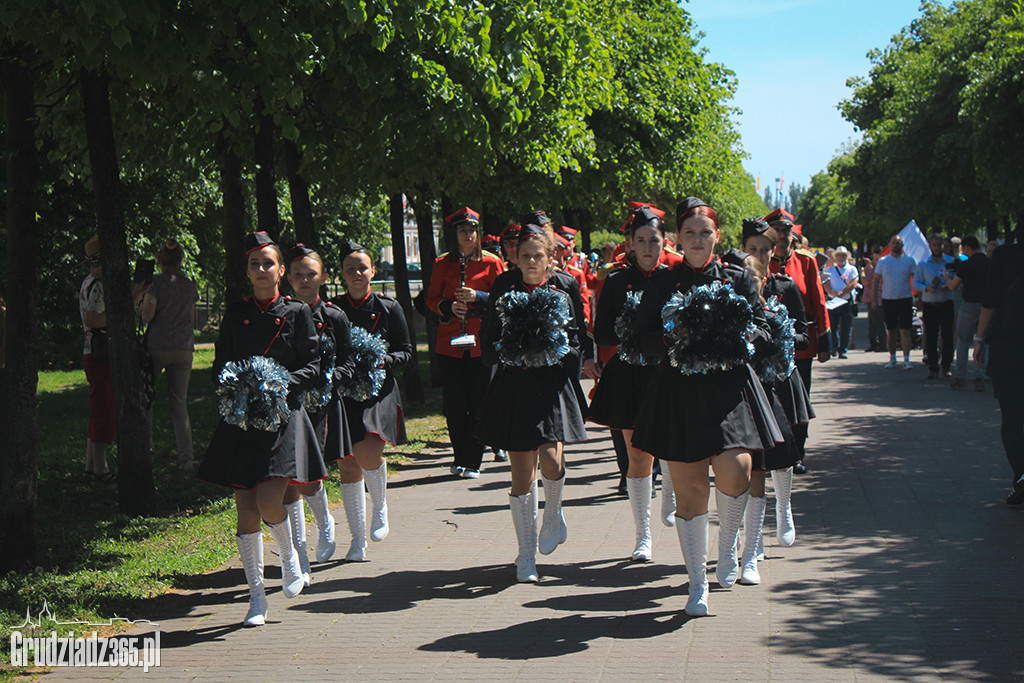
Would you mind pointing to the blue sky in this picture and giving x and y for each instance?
(792, 59)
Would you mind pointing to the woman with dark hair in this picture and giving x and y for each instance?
(625, 376)
(458, 293)
(169, 308)
(374, 415)
(326, 410)
(261, 463)
(704, 405)
(534, 402)
(789, 400)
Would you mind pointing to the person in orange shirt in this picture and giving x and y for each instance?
(458, 293)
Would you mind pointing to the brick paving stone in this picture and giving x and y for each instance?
(906, 566)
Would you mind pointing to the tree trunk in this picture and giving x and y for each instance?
(585, 218)
(135, 489)
(413, 388)
(492, 223)
(19, 434)
(298, 189)
(236, 285)
(266, 181)
(424, 210)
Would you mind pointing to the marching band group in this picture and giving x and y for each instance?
(697, 365)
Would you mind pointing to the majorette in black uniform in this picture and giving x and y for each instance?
(382, 414)
(282, 329)
(689, 418)
(617, 397)
(285, 331)
(526, 407)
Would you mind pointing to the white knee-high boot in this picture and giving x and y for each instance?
(730, 516)
(353, 496)
(785, 530)
(525, 522)
(297, 521)
(325, 544)
(693, 540)
(377, 485)
(639, 489)
(668, 496)
(291, 572)
(754, 523)
(250, 547)
(553, 532)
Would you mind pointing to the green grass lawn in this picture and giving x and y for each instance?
(94, 563)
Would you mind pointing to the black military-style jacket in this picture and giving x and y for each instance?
(383, 316)
(789, 295)
(285, 332)
(331, 320)
(613, 299)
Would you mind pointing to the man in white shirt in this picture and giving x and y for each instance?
(936, 307)
(895, 272)
(839, 280)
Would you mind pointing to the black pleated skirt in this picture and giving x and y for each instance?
(332, 430)
(689, 418)
(524, 408)
(619, 394)
(781, 455)
(796, 402)
(242, 459)
(381, 415)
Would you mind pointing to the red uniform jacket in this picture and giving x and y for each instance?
(441, 295)
(804, 270)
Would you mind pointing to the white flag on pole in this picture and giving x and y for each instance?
(915, 245)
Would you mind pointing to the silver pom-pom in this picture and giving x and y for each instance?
(777, 363)
(368, 351)
(709, 329)
(254, 394)
(313, 400)
(625, 330)
(533, 328)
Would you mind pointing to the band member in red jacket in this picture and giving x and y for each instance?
(458, 292)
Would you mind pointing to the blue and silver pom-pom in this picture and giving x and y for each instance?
(777, 363)
(254, 394)
(368, 351)
(313, 400)
(709, 329)
(533, 328)
(625, 330)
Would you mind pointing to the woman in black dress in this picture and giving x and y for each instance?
(625, 376)
(695, 419)
(534, 402)
(323, 403)
(789, 400)
(377, 419)
(259, 464)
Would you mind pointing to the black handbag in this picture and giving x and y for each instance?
(100, 346)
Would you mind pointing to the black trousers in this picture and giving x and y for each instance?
(1012, 431)
(938, 318)
(463, 383)
(803, 366)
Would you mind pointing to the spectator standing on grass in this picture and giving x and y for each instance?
(970, 278)
(893, 273)
(1001, 326)
(96, 360)
(169, 308)
(839, 281)
(936, 306)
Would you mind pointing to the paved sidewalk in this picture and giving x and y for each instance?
(907, 566)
